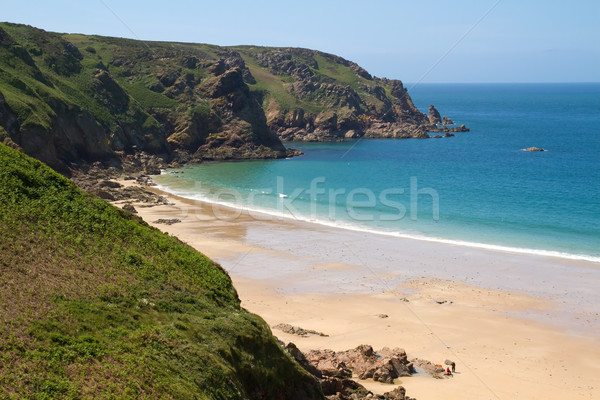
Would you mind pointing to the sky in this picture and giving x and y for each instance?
(415, 41)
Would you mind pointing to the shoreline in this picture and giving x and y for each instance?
(264, 214)
(510, 340)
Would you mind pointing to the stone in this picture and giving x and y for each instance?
(296, 330)
(109, 184)
(434, 115)
(383, 366)
(447, 121)
(301, 359)
(334, 376)
(129, 208)
(167, 221)
(534, 149)
(434, 370)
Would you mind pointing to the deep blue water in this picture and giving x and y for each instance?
(484, 187)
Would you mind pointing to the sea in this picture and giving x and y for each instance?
(478, 189)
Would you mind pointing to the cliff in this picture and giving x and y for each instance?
(95, 303)
(70, 100)
(310, 95)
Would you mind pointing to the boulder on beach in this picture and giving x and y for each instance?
(334, 371)
(382, 366)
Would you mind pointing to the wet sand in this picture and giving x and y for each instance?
(517, 326)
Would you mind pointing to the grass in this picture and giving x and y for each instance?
(328, 69)
(128, 86)
(338, 72)
(94, 303)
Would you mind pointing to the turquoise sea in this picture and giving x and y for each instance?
(476, 189)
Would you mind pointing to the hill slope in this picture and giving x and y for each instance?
(68, 99)
(96, 304)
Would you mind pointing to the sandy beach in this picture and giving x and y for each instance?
(518, 326)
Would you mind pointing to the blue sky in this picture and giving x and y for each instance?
(426, 41)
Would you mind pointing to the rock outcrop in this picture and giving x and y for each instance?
(175, 103)
(434, 115)
(447, 121)
(372, 107)
(68, 104)
(296, 330)
(534, 149)
(382, 366)
(335, 370)
(436, 371)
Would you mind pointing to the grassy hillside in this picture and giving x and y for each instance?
(94, 303)
(71, 98)
(67, 99)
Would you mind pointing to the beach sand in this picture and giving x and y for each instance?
(518, 326)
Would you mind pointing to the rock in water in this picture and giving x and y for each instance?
(447, 121)
(351, 134)
(434, 115)
(534, 149)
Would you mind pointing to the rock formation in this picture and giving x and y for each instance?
(447, 121)
(534, 149)
(296, 330)
(73, 100)
(434, 115)
(334, 370)
(382, 366)
(435, 370)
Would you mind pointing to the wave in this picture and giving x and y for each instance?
(363, 229)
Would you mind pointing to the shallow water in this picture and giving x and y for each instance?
(476, 189)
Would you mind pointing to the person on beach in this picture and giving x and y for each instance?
(448, 371)
(453, 366)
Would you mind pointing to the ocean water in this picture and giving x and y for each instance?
(476, 189)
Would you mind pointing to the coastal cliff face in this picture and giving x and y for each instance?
(310, 95)
(71, 99)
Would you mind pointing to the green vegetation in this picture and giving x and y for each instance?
(138, 96)
(94, 303)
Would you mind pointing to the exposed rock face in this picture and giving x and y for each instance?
(69, 105)
(334, 374)
(301, 359)
(383, 366)
(444, 128)
(434, 115)
(447, 121)
(349, 112)
(197, 108)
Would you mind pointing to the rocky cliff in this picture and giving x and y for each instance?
(72, 99)
(310, 95)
